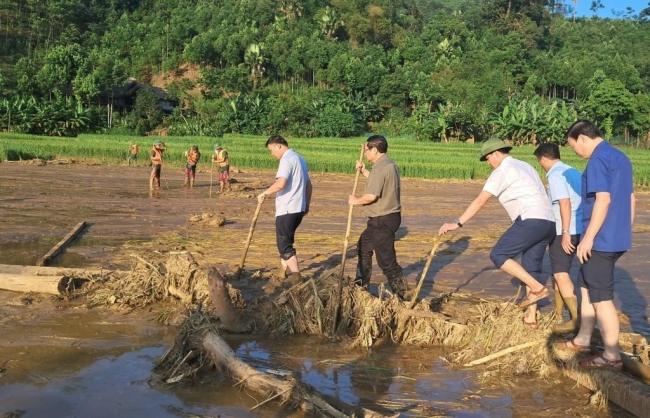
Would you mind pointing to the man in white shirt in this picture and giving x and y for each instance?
(519, 189)
(564, 186)
(293, 188)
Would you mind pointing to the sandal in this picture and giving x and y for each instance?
(533, 297)
(570, 345)
(599, 361)
(529, 325)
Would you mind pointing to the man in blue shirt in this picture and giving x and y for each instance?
(608, 206)
(564, 185)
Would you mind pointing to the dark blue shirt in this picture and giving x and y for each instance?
(609, 170)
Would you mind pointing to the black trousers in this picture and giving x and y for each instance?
(379, 237)
(285, 233)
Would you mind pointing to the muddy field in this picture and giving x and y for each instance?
(57, 356)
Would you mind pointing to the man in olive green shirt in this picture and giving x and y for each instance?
(381, 204)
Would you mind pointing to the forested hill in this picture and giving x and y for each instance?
(439, 70)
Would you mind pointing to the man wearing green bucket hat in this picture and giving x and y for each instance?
(223, 163)
(520, 190)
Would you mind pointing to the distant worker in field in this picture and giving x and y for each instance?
(293, 187)
(156, 155)
(133, 154)
(223, 166)
(564, 185)
(381, 204)
(193, 156)
(520, 190)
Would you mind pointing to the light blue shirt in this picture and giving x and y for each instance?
(293, 197)
(565, 182)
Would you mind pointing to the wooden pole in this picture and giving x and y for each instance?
(211, 172)
(45, 260)
(345, 248)
(424, 272)
(240, 269)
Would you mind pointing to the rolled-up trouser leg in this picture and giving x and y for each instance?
(285, 232)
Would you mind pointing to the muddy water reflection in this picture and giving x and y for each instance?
(415, 382)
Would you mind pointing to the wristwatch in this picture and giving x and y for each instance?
(566, 231)
(457, 222)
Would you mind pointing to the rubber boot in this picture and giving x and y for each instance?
(295, 278)
(284, 269)
(559, 307)
(364, 270)
(572, 325)
(398, 284)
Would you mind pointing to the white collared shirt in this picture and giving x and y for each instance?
(520, 190)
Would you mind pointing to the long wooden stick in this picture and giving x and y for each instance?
(424, 272)
(346, 242)
(44, 261)
(249, 239)
(503, 353)
(211, 171)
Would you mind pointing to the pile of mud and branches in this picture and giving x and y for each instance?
(482, 332)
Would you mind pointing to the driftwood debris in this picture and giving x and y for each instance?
(50, 280)
(45, 260)
(224, 308)
(284, 390)
(503, 353)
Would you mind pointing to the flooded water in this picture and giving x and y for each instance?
(61, 361)
(96, 363)
(116, 385)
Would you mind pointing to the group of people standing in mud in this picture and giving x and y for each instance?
(193, 156)
(588, 215)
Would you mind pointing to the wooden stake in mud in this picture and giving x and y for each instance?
(211, 171)
(424, 272)
(345, 248)
(43, 261)
(240, 269)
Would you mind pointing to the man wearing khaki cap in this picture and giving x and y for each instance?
(520, 190)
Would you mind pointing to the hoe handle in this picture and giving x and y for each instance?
(424, 272)
(249, 239)
(345, 249)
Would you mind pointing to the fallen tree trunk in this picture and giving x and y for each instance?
(298, 394)
(49, 280)
(225, 310)
(43, 261)
(624, 391)
(40, 284)
(53, 271)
